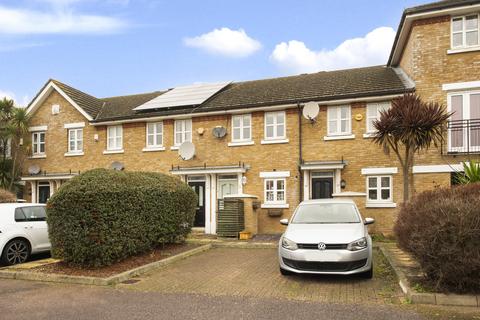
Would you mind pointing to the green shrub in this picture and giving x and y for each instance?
(103, 216)
(441, 229)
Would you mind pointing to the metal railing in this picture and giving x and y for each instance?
(462, 137)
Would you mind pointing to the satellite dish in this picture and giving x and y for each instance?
(219, 132)
(186, 151)
(34, 169)
(118, 166)
(310, 110)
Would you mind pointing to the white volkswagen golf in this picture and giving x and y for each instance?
(326, 237)
(23, 231)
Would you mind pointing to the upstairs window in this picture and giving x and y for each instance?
(275, 125)
(373, 113)
(154, 135)
(242, 128)
(114, 138)
(339, 120)
(183, 131)
(38, 143)
(465, 31)
(75, 140)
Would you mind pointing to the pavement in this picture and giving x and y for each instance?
(255, 273)
(222, 283)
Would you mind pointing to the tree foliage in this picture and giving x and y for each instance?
(14, 123)
(409, 126)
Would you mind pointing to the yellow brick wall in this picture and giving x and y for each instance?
(424, 59)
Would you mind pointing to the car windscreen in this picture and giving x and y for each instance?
(326, 213)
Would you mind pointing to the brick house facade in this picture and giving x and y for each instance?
(271, 153)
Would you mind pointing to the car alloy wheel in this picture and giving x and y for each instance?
(16, 252)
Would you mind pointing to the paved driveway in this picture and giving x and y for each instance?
(254, 273)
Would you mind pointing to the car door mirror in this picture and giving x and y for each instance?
(284, 222)
(369, 221)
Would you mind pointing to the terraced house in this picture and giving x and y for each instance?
(263, 140)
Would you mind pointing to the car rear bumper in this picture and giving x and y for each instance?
(343, 262)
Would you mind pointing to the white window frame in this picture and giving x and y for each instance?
(275, 126)
(183, 131)
(380, 106)
(76, 141)
(116, 146)
(464, 31)
(36, 135)
(379, 189)
(275, 191)
(465, 116)
(337, 111)
(157, 145)
(242, 126)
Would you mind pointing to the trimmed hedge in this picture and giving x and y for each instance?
(103, 216)
(441, 229)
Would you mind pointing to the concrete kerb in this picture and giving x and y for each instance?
(219, 243)
(37, 276)
(428, 298)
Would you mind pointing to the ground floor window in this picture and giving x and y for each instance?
(227, 185)
(275, 191)
(379, 189)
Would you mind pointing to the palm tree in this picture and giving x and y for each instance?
(14, 123)
(17, 128)
(409, 126)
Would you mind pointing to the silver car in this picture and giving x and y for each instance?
(326, 237)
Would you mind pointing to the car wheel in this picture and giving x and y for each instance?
(285, 272)
(15, 252)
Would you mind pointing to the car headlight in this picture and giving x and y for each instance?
(289, 244)
(357, 244)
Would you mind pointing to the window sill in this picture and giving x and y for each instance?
(113, 151)
(369, 135)
(275, 206)
(73, 154)
(380, 205)
(174, 147)
(462, 50)
(153, 149)
(38, 156)
(346, 137)
(278, 141)
(242, 143)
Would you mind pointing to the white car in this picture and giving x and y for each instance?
(23, 231)
(326, 237)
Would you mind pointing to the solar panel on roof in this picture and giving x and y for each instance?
(184, 96)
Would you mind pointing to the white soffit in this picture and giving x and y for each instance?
(192, 95)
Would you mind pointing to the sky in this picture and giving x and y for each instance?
(119, 47)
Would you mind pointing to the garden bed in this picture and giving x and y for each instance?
(48, 271)
(157, 254)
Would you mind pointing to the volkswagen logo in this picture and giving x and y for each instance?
(322, 246)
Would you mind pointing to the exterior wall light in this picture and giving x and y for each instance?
(343, 184)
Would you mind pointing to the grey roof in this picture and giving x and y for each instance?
(434, 6)
(88, 103)
(320, 86)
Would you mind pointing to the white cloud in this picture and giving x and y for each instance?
(226, 42)
(59, 20)
(373, 49)
(6, 94)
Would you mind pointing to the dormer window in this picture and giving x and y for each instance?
(465, 32)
